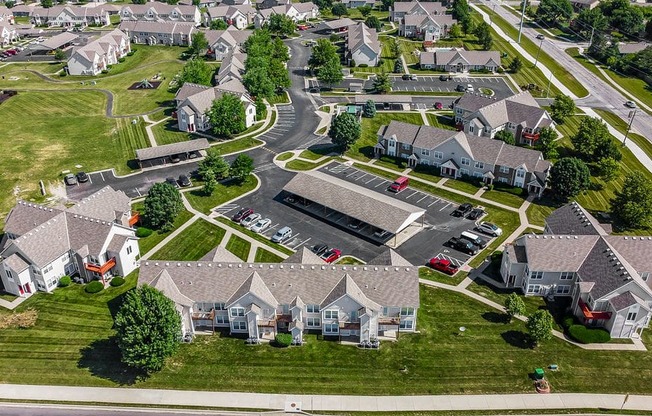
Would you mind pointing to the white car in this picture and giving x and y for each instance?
(261, 225)
(489, 228)
(630, 104)
(469, 88)
(249, 221)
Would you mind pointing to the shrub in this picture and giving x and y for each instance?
(63, 73)
(490, 187)
(283, 340)
(352, 63)
(105, 71)
(117, 281)
(500, 70)
(143, 232)
(363, 66)
(131, 53)
(568, 321)
(121, 59)
(65, 281)
(94, 287)
(586, 335)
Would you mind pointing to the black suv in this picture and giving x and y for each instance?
(460, 88)
(475, 214)
(463, 245)
(463, 210)
(320, 249)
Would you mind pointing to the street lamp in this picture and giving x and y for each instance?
(631, 116)
(536, 60)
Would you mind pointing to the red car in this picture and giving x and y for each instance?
(443, 265)
(302, 27)
(331, 255)
(242, 214)
(438, 106)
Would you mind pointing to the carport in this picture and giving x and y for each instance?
(182, 149)
(371, 207)
(60, 41)
(386, 102)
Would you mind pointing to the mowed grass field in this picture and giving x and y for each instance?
(364, 147)
(71, 344)
(192, 243)
(48, 132)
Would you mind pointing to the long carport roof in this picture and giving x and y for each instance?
(56, 41)
(171, 149)
(385, 98)
(374, 208)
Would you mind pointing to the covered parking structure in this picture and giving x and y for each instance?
(60, 41)
(374, 208)
(151, 156)
(386, 101)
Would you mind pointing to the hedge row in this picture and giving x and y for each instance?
(585, 335)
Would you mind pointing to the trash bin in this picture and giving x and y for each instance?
(538, 373)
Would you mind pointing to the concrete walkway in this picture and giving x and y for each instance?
(334, 403)
(148, 129)
(13, 304)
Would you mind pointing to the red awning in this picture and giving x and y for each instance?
(103, 268)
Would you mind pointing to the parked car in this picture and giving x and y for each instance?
(630, 104)
(172, 182)
(460, 88)
(469, 236)
(261, 225)
(409, 77)
(443, 265)
(399, 184)
(355, 224)
(82, 177)
(282, 234)
(302, 27)
(242, 214)
(540, 36)
(175, 159)
(475, 214)
(331, 255)
(463, 245)
(469, 88)
(439, 106)
(320, 249)
(381, 234)
(250, 220)
(184, 181)
(70, 179)
(445, 77)
(489, 228)
(463, 210)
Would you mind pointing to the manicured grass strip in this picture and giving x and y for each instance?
(264, 256)
(237, 145)
(559, 71)
(537, 213)
(284, 156)
(148, 243)
(620, 125)
(309, 154)
(432, 274)
(239, 246)
(167, 132)
(192, 243)
(282, 98)
(469, 188)
(255, 236)
(440, 121)
(303, 165)
(349, 260)
(504, 198)
(363, 149)
(224, 192)
(378, 172)
(484, 289)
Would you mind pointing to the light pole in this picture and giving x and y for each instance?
(632, 114)
(520, 29)
(536, 60)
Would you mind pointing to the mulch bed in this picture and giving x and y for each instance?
(135, 85)
(5, 95)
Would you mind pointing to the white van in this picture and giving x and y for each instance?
(282, 235)
(469, 236)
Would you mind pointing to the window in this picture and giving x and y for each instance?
(406, 325)
(313, 322)
(471, 128)
(239, 325)
(478, 165)
(219, 307)
(533, 288)
(312, 308)
(221, 319)
(331, 314)
(465, 161)
(464, 171)
(237, 311)
(563, 290)
(631, 316)
(405, 146)
(392, 143)
(645, 276)
(129, 250)
(407, 311)
(331, 329)
(425, 152)
(536, 275)
(520, 173)
(503, 180)
(424, 162)
(477, 174)
(47, 270)
(66, 256)
(438, 155)
(567, 275)
(8, 273)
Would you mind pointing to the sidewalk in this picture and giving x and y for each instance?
(310, 403)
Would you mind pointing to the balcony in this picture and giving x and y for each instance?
(101, 270)
(388, 320)
(589, 314)
(203, 316)
(135, 217)
(531, 136)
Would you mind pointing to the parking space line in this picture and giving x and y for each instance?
(303, 242)
(444, 207)
(139, 194)
(422, 199)
(351, 174)
(433, 202)
(373, 178)
(358, 178)
(102, 175)
(90, 178)
(412, 194)
(382, 182)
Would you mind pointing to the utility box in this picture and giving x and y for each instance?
(538, 373)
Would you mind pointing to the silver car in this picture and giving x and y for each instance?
(249, 221)
(261, 225)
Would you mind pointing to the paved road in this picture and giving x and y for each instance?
(61, 410)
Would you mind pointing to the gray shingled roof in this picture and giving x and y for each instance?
(335, 24)
(165, 284)
(200, 281)
(87, 231)
(116, 243)
(172, 149)
(57, 41)
(430, 7)
(254, 285)
(220, 253)
(573, 219)
(103, 204)
(421, 20)
(560, 253)
(453, 56)
(390, 258)
(627, 48)
(159, 26)
(16, 263)
(600, 268)
(347, 286)
(637, 251)
(372, 207)
(359, 34)
(25, 216)
(45, 242)
(622, 301)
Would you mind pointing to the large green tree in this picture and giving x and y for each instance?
(339, 9)
(386, 4)
(588, 20)
(483, 33)
(516, 64)
(539, 326)
(196, 71)
(608, 168)
(215, 164)
(265, 70)
(199, 43)
(553, 12)
(365, 10)
(382, 83)
(562, 107)
(227, 115)
(594, 142)
(162, 205)
(374, 22)
(547, 143)
(461, 10)
(46, 3)
(514, 305)
(369, 109)
(568, 177)
(505, 136)
(322, 52)
(632, 205)
(148, 329)
(345, 130)
(281, 25)
(331, 72)
(218, 24)
(241, 167)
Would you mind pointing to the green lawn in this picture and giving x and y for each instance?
(255, 236)
(503, 197)
(309, 154)
(363, 149)
(303, 165)
(386, 62)
(442, 121)
(284, 156)
(192, 243)
(224, 192)
(72, 344)
(148, 243)
(434, 275)
(538, 211)
(620, 125)
(282, 98)
(484, 289)
(532, 48)
(264, 256)
(47, 68)
(239, 246)
(236, 145)
(63, 130)
(349, 260)
(408, 49)
(462, 186)
(167, 132)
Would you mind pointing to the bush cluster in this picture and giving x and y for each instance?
(143, 232)
(94, 287)
(65, 281)
(585, 335)
(568, 321)
(283, 340)
(121, 59)
(117, 281)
